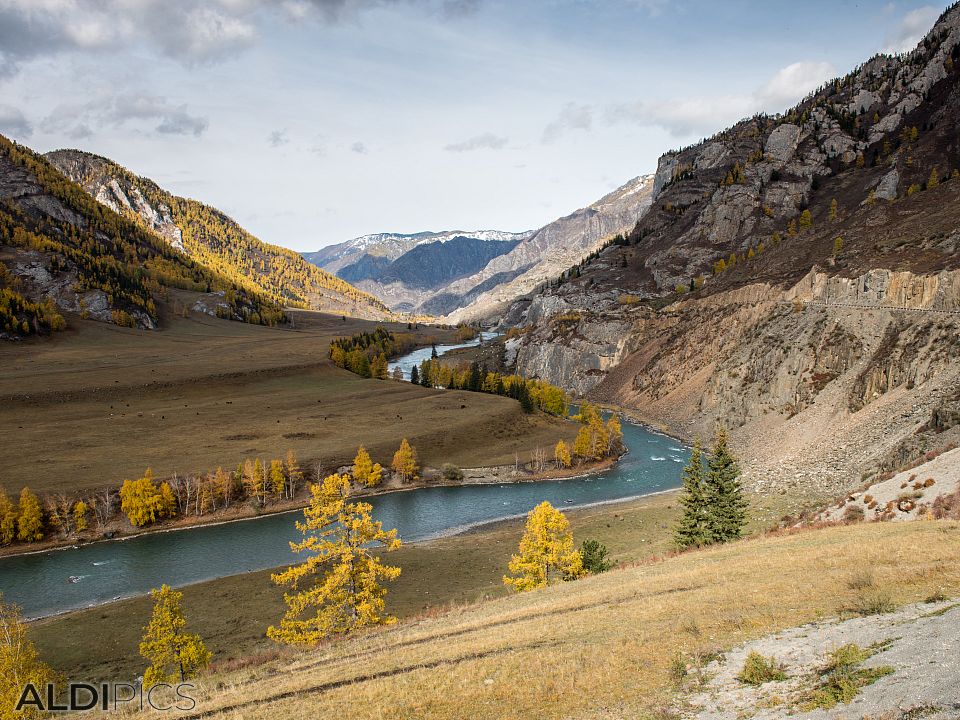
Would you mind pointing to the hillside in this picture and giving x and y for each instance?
(631, 642)
(62, 252)
(797, 278)
(214, 240)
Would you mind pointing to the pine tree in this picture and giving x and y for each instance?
(30, 517)
(174, 655)
(727, 508)
(414, 375)
(8, 519)
(405, 462)
(20, 664)
(546, 551)
(692, 529)
(340, 580)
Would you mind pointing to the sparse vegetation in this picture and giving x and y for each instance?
(758, 670)
(842, 677)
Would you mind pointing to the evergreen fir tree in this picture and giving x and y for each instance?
(692, 529)
(726, 506)
(414, 375)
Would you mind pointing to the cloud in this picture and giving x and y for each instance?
(485, 141)
(14, 123)
(278, 138)
(571, 117)
(191, 32)
(688, 116)
(359, 148)
(152, 113)
(910, 30)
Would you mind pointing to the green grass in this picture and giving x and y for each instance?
(758, 670)
(842, 678)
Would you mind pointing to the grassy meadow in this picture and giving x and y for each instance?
(98, 403)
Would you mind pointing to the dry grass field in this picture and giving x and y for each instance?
(99, 403)
(608, 646)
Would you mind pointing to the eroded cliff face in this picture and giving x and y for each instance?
(820, 383)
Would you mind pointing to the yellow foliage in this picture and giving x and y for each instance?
(19, 664)
(365, 471)
(546, 552)
(30, 517)
(561, 454)
(405, 462)
(143, 502)
(340, 580)
(80, 511)
(8, 519)
(174, 655)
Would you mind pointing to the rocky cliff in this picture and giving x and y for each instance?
(796, 279)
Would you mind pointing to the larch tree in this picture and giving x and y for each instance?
(338, 588)
(294, 474)
(20, 664)
(174, 654)
(561, 453)
(80, 512)
(405, 462)
(546, 552)
(8, 519)
(143, 502)
(278, 481)
(583, 444)
(29, 517)
(365, 471)
(693, 528)
(727, 508)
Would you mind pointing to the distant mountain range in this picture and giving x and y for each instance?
(461, 275)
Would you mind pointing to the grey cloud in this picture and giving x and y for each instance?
(485, 141)
(359, 148)
(571, 117)
(278, 138)
(154, 113)
(14, 123)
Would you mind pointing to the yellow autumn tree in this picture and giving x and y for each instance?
(337, 589)
(278, 481)
(561, 453)
(174, 655)
(144, 502)
(20, 664)
(546, 552)
(614, 434)
(30, 517)
(583, 444)
(365, 471)
(80, 510)
(8, 519)
(294, 473)
(253, 480)
(405, 462)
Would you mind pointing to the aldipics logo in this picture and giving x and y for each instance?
(82, 696)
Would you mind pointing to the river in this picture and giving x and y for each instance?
(57, 581)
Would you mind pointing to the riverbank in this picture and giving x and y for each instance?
(121, 529)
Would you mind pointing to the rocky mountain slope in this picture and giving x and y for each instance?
(215, 240)
(475, 275)
(408, 271)
(62, 252)
(547, 252)
(797, 278)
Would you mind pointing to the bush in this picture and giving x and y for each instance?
(594, 554)
(451, 473)
(842, 678)
(853, 513)
(758, 670)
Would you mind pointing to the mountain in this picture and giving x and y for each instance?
(796, 279)
(470, 276)
(548, 252)
(407, 271)
(214, 240)
(60, 251)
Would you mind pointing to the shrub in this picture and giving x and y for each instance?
(842, 678)
(875, 602)
(937, 596)
(594, 554)
(451, 473)
(853, 513)
(929, 482)
(758, 670)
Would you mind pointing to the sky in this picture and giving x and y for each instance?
(314, 121)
